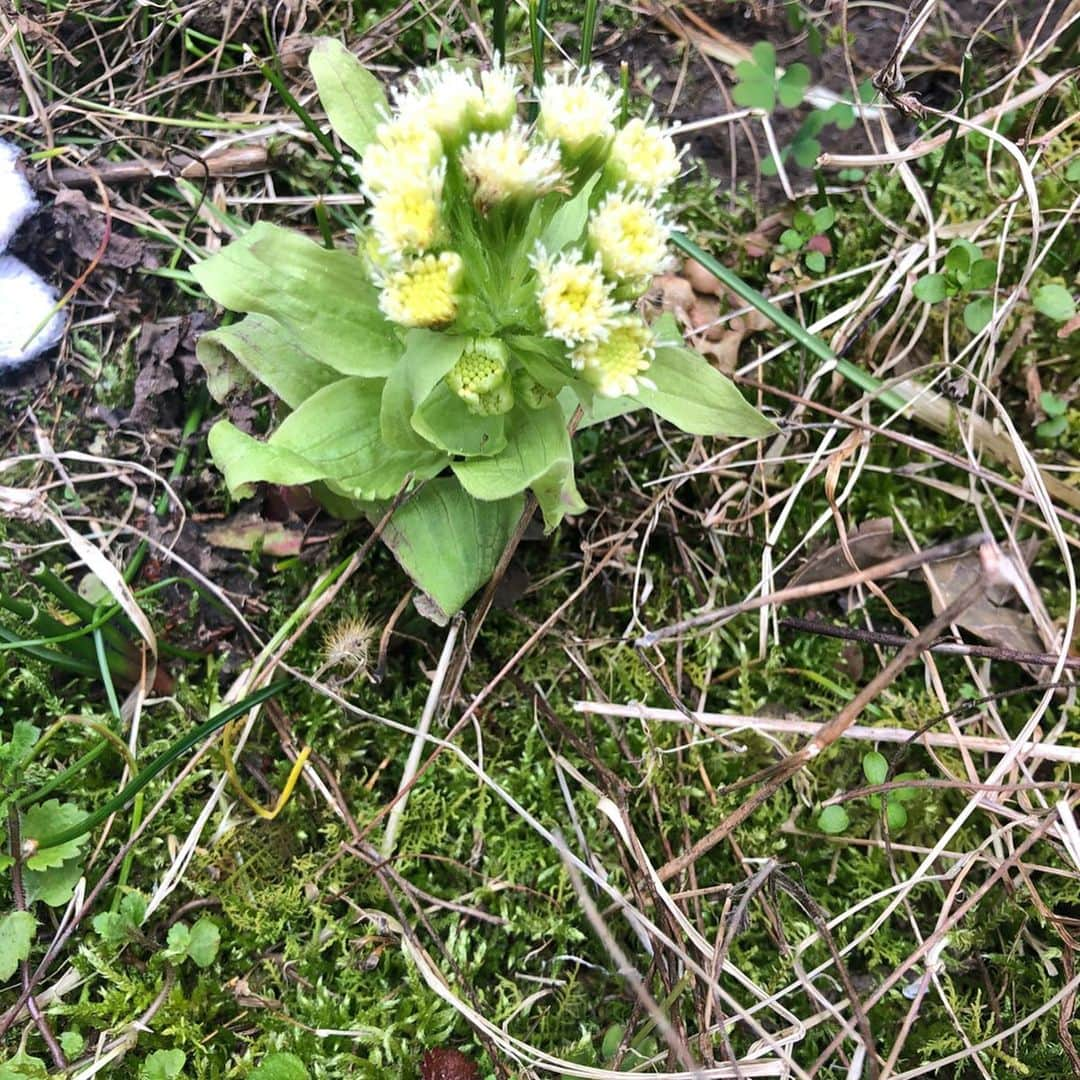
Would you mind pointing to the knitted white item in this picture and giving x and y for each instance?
(26, 300)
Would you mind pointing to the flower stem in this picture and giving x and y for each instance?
(811, 342)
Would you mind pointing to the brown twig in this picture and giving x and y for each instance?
(952, 648)
(898, 565)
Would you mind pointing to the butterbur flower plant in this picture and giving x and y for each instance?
(489, 307)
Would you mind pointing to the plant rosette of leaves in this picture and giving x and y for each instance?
(489, 307)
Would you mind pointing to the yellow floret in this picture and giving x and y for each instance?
(442, 98)
(631, 239)
(643, 157)
(574, 298)
(407, 217)
(424, 291)
(502, 165)
(498, 98)
(404, 151)
(578, 110)
(615, 365)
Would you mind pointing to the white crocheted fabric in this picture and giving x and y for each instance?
(26, 300)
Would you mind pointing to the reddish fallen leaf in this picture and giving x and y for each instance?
(448, 1065)
(244, 532)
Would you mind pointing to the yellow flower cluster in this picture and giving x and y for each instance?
(454, 137)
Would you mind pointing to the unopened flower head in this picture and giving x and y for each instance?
(481, 377)
(574, 298)
(443, 98)
(497, 106)
(424, 292)
(630, 237)
(407, 217)
(643, 157)
(503, 165)
(615, 365)
(578, 110)
(401, 151)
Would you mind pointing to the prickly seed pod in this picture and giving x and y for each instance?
(347, 649)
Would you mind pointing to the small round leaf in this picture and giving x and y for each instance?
(833, 820)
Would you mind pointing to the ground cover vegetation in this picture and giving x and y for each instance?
(684, 790)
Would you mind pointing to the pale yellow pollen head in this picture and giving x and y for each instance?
(402, 151)
(630, 238)
(578, 110)
(643, 157)
(574, 298)
(424, 292)
(407, 217)
(615, 366)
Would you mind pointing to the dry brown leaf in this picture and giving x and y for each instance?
(870, 543)
(989, 618)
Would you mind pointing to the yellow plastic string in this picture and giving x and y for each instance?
(234, 778)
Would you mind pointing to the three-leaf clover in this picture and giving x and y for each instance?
(965, 272)
(759, 85)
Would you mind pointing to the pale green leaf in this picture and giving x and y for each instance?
(322, 297)
(280, 1067)
(54, 886)
(16, 936)
(931, 289)
(269, 351)
(1055, 302)
(163, 1065)
(48, 818)
(695, 397)
(334, 435)
(568, 222)
(539, 457)
(445, 420)
(72, 1043)
(978, 313)
(352, 97)
(833, 820)
(23, 1067)
(875, 767)
(895, 814)
(15, 752)
(427, 358)
(204, 941)
(450, 543)
(177, 941)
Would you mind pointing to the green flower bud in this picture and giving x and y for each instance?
(482, 371)
(495, 403)
(531, 393)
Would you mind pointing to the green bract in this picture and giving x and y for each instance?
(491, 296)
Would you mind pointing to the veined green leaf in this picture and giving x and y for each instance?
(334, 435)
(16, 936)
(450, 543)
(427, 358)
(323, 298)
(352, 97)
(694, 396)
(539, 457)
(266, 350)
(46, 819)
